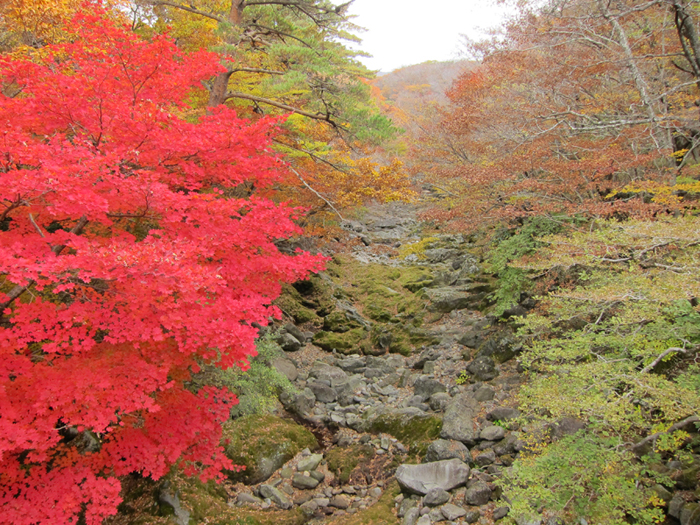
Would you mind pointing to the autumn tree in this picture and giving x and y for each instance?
(288, 57)
(126, 266)
(579, 99)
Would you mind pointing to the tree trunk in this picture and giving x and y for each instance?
(219, 88)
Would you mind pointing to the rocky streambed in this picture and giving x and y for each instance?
(403, 404)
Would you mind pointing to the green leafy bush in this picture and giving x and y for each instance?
(582, 476)
(258, 387)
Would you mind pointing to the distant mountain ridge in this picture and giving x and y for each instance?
(428, 80)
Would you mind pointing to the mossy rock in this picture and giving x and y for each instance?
(417, 279)
(416, 431)
(339, 321)
(349, 342)
(381, 513)
(263, 443)
(290, 302)
(342, 461)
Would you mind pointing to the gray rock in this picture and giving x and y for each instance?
(447, 299)
(322, 392)
(309, 462)
(424, 520)
(276, 496)
(288, 342)
(471, 339)
(493, 433)
(319, 476)
(351, 364)
(458, 421)
(472, 516)
(325, 372)
(426, 387)
(419, 479)
(436, 497)
(411, 516)
(301, 404)
(171, 499)
(485, 393)
(501, 348)
(500, 513)
(245, 498)
(690, 514)
(452, 512)
(417, 401)
(483, 368)
(485, 458)
(299, 481)
(291, 328)
(478, 494)
(675, 506)
(442, 449)
(406, 505)
(339, 502)
(439, 401)
(502, 414)
(286, 368)
(309, 507)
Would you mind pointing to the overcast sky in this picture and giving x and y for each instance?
(404, 32)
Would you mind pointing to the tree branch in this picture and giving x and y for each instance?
(270, 102)
(656, 361)
(316, 193)
(18, 289)
(189, 9)
(639, 446)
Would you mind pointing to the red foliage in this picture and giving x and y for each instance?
(134, 268)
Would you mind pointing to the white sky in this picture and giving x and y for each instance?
(405, 32)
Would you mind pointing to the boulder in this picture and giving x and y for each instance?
(286, 368)
(276, 496)
(452, 512)
(483, 368)
(291, 328)
(492, 433)
(301, 404)
(436, 497)
(299, 481)
(263, 444)
(288, 342)
(447, 299)
(419, 479)
(442, 449)
(322, 392)
(439, 401)
(478, 494)
(458, 422)
(426, 387)
(309, 462)
(503, 414)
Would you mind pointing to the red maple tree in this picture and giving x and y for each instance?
(125, 264)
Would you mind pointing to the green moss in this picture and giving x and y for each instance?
(345, 343)
(381, 513)
(251, 439)
(290, 302)
(417, 432)
(343, 460)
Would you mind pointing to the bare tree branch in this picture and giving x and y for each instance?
(330, 204)
(189, 9)
(270, 102)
